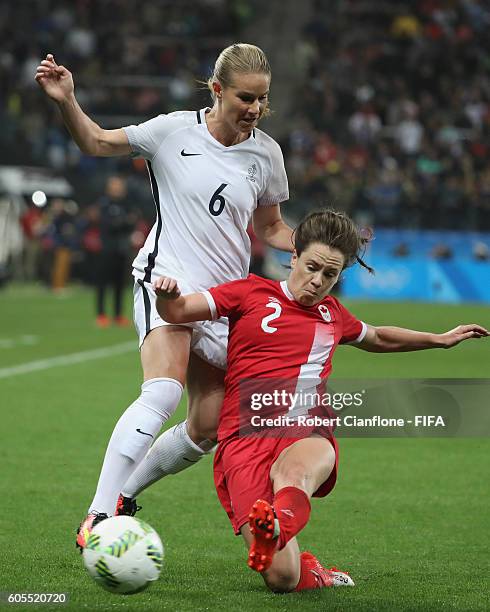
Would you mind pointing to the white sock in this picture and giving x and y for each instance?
(171, 453)
(132, 437)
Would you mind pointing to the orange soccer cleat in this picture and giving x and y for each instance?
(331, 577)
(265, 528)
(86, 526)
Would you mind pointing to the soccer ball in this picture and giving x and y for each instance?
(123, 554)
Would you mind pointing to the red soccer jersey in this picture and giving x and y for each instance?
(274, 336)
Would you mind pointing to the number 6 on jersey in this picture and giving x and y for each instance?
(216, 197)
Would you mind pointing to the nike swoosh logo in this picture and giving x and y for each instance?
(144, 433)
(184, 154)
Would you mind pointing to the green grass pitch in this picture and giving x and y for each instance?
(407, 518)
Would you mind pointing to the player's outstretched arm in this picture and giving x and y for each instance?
(270, 228)
(398, 339)
(57, 83)
(176, 308)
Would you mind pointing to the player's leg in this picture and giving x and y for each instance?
(206, 389)
(284, 573)
(297, 473)
(300, 470)
(294, 571)
(185, 443)
(101, 280)
(164, 356)
(241, 474)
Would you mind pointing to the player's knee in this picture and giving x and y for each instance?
(157, 402)
(162, 395)
(292, 474)
(280, 580)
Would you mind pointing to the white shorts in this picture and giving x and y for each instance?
(209, 338)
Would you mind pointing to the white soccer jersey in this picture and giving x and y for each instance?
(205, 194)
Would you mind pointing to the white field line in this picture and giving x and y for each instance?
(63, 360)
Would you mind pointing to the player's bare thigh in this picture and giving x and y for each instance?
(306, 464)
(205, 390)
(165, 352)
(283, 575)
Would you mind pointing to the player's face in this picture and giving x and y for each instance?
(245, 100)
(314, 273)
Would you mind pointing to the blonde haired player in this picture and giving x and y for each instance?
(211, 171)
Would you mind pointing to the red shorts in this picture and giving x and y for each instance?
(242, 474)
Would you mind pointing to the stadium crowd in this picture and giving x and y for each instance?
(392, 115)
(390, 104)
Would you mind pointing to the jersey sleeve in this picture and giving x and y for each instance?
(228, 300)
(353, 330)
(145, 139)
(277, 189)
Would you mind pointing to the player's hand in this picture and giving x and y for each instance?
(463, 332)
(167, 288)
(56, 81)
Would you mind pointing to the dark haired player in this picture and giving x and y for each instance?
(286, 330)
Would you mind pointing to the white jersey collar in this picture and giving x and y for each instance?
(202, 116)
(285, 290)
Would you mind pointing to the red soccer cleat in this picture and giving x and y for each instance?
(86, 526)
(265, 529)
(126, 506)
(325, 577)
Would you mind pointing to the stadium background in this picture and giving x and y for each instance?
(383, 110)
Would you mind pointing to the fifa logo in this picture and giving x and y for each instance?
(252, 171)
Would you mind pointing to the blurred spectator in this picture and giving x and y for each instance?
(401, 250)
(441, 251)
(32, 222)
(63, 234)
(481, 252)
(365, 125)
(409, 131)
(111, 254)
(11, 239)
(91, 242)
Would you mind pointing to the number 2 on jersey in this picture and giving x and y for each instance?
(217, 198)
(266, 320)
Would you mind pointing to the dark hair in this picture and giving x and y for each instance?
(336, 230)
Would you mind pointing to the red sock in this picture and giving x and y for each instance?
(293, 509)
(307, 579)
